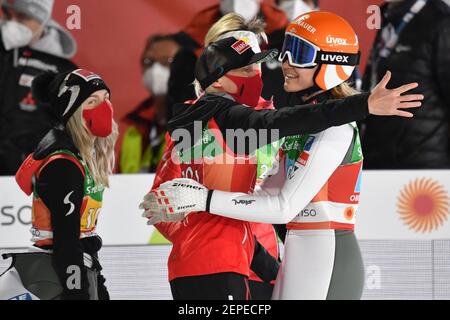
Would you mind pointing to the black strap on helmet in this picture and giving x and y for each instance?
(338, 58)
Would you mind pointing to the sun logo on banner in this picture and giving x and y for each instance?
(423, 205)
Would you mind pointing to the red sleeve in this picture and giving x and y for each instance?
(167, 170)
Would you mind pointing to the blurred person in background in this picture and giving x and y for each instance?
(30, 43)
(181, 88)
(295, 8)
(414, 43)
(143, 141)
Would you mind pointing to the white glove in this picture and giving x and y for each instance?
(173, 200)
(158, 217)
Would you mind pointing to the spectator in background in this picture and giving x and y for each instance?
(30, 43)
(143, 141)
(181, 88)
(295, 8)
(414, 43)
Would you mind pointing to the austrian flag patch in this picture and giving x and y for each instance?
(240, 46)
(303, 159)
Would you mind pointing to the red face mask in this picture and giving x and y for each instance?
(99, 120)
(248, 89)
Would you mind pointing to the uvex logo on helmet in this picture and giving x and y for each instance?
(336, 41)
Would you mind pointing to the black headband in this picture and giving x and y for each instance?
(65, 92)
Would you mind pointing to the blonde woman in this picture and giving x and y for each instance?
(234, 25)
(67, 175)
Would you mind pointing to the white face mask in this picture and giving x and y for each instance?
(246, 8)
(156, 79)
(15, 35)
(295, 8)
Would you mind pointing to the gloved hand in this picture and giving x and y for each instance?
(158, 217)
(174, 200)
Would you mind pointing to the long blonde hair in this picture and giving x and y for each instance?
(343, 90)
(235, 22)
(97, 153)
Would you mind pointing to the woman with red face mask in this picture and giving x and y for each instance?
(66, 175)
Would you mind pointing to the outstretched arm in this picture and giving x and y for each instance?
(303, 182)
(313, 118)
(273, 125)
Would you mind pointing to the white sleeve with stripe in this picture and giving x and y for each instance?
(326, 154)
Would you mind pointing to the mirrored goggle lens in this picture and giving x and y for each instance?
(301, 52)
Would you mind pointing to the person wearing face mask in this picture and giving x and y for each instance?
(193, 35)
(30, 43)
(66, 175)
(211, 255)
(413, 42)
(143, 141)
(266, 246)
(266, 242)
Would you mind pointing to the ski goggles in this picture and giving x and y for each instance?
(303, 54)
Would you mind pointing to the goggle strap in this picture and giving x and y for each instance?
(338, 58)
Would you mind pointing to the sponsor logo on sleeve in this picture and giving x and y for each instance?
(303, 159)
(244, 202)
(67, 201)
(309, 143)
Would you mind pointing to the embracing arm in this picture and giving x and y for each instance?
(315, 118)
(327, 153)
(302, 119)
